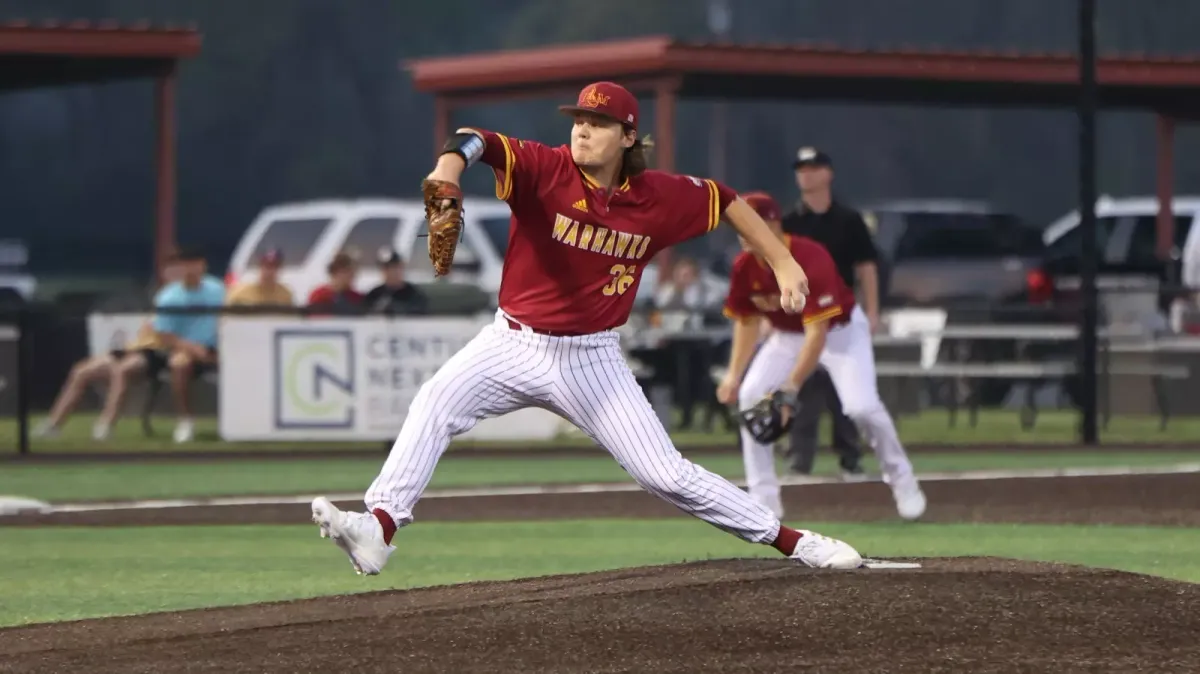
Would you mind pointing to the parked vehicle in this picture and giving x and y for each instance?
(310, 233)
(961, 255)
(966, 257)
(1130, 274)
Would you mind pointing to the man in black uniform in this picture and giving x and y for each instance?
(844, 234)
(395, 295)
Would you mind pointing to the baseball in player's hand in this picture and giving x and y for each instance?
(793, 286)
(727, 391)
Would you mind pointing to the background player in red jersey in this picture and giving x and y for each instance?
(831, 331)
(585, 219)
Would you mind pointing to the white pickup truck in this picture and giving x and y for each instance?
(310, 233)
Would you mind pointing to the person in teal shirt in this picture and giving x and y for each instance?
(190, 337)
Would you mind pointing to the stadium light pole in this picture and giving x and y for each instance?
(1088, 323)
(720, 20)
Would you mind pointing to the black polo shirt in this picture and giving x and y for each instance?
(841, 230)
(404, 299)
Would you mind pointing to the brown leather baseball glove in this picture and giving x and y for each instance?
(443, 211)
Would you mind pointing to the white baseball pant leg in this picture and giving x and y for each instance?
(849, 356)
(499, 371)
(586, 380)
(772, 363)
(599, 393)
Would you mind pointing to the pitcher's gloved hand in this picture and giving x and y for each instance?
(444, 213)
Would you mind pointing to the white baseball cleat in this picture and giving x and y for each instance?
(910, 500)
(823, 552)
(359, 535)
(184, 431)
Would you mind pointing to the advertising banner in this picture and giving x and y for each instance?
(344, 379)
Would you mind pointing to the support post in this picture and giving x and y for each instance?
(1164, 181)
(441, 124)
(165, 169)
(24, 376)
(665, 97)
(1089, 433)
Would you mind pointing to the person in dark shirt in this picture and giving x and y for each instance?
(338, 296)
(395, 295)
(838, 227)
(842, 231)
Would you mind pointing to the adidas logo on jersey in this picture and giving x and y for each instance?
(581, 205)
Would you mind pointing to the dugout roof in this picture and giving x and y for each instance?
(51, 54)
(670, 69)
(926, 76)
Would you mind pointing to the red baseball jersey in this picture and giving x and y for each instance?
(753, 290)
(576, 251)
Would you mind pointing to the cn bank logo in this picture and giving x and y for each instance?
(314, 379)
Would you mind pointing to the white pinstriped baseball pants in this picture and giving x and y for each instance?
(584, 379)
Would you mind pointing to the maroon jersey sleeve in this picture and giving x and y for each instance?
(824, 301)
(697, 202)
(738, 303)
(516, 163)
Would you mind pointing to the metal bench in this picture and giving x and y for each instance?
(1031, 373)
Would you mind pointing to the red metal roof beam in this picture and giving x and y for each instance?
(98, 41)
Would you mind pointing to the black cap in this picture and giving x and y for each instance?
(388, 257)
(811, 156)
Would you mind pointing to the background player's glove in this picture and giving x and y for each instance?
(771, 417)
(443, 211)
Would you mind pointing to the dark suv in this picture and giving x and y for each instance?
(960, 255)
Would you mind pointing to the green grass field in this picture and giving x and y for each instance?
(63, 573)
(112, 480)
(930, 428)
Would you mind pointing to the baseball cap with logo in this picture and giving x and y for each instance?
(608, 99)
(811, 156)
(763, 204)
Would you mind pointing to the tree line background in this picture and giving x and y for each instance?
(302, 99)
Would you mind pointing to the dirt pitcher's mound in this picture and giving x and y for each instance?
(953, 615)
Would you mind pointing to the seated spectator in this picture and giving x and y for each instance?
(338, 295)
(143, 355)
(395, 295)
(683, 292)
(681, 303)
(191, 337)
(267, 290)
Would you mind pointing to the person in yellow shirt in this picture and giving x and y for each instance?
(267, 291)
(144, 354)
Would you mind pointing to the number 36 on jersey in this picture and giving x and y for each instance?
(622, 278)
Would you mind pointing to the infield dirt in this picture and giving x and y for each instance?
(954, 615)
